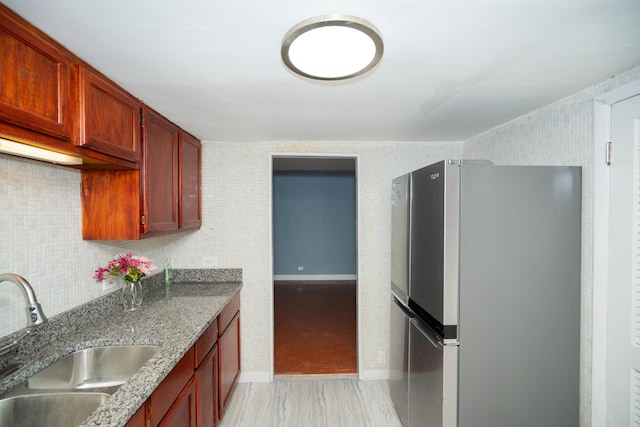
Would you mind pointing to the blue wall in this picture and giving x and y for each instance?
(314, 223)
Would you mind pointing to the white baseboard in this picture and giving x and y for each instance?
(254, 377)
(323, 277)
(374, 375)
(263, 377)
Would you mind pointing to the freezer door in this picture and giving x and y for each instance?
(433, 369)
(399, 359)
(434, 244)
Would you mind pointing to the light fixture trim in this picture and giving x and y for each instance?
(340, 21)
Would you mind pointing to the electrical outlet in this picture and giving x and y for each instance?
(382, 357)
(108, 284)
(300, 268)
(209, 261)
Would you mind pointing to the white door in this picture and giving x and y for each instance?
(623, 296)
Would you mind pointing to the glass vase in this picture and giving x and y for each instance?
(131, 296)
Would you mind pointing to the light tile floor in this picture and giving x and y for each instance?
(310, 402)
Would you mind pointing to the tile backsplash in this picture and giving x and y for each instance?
(41, 240)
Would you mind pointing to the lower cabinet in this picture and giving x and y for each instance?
(229, 363)
(173, 393)
(139, 419)
(197, 390)
(207, 389)
(183, 411)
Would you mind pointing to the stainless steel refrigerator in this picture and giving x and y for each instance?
(485, 281)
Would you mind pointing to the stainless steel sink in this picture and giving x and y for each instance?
(98, 367)
(50, 409)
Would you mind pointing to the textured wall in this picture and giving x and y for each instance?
(559, 134)
(236, 229)
(41, 239)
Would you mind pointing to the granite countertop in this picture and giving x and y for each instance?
(197, 297)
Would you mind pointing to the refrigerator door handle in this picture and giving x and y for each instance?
(404, 308)
(432, 338)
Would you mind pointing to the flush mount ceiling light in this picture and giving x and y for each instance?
(332, 47)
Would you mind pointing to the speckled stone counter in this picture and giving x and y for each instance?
(197, 297)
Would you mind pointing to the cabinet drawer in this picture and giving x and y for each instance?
(167, 392)
(206, 342)
(225, 317)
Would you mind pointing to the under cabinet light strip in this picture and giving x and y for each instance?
(31, 152)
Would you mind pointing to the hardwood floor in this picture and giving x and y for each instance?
(315, 328)
(343, 402)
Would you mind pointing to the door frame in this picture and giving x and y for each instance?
(356, 159)
(602, 132)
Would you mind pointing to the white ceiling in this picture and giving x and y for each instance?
(450, 70)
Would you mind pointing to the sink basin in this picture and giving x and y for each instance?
(97, 367)
(50, 410)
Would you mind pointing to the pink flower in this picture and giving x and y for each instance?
(127, 267)
(145, 264)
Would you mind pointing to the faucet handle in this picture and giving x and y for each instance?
(36, 314)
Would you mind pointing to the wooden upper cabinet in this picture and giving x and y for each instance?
(109, 117)
(163, 197)
(111, 204)
(160, 188)
(37, 83)
(190, 166)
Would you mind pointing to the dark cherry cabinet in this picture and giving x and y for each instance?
(190, 167)
(198, 388)
(228, 352)
(207, 390)
(37, 82)
(159, 171)
(139, 419)
(206, 377)
(109, 117)
(110, 205)
(183, 411)
(164, 196)
(52, 99)
(174, 399)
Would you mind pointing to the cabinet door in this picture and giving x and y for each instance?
(190, 181)
(36, 82)
(207, 390)
(160, 174)
(101, 219)
(183, 411)
(229, 362)
(109, 117)
(171, 388)
(139, 419)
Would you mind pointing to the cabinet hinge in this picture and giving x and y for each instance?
(143, 220)
(607, 156)
(141, 118)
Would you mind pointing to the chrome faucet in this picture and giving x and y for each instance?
(35, 316)
(34, 312)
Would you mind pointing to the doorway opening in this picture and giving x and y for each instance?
(314, 223)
